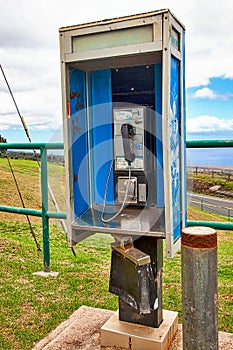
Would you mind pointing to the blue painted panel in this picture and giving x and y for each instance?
(175, 145)
(79, 141)
(102, 143)
(184, 128)
(159, 146)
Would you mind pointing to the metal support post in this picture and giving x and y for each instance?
(199, 284)
(136, 277)
(153, 246)
(45, 219)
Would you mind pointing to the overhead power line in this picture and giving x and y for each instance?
(36, 155)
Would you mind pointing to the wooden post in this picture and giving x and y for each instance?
(199, 284)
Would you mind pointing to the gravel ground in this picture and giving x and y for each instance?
(82, 332)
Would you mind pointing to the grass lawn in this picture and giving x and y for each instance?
(31, 306)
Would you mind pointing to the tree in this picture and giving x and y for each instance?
(2, 140)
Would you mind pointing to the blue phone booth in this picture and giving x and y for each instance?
(124, 134)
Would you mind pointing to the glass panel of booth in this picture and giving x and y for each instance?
(117, 131)
(120, 37)
(175, 39)
(108, 182)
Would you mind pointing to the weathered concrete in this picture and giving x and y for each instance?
(139, 337)
(46, 274)
(82, 332)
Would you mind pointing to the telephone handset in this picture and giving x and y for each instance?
(128, 131)
(133, 163)
(129, 155)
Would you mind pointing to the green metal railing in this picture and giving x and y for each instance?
(210, 144)
(45, 214)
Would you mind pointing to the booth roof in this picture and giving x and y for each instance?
(118, 19)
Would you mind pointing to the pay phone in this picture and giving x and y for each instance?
(124, 127)
(134, 155)
(123, 92)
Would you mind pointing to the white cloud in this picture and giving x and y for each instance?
(206, 123)
(12, 122)
(34, 79)
(208, 41)
(39, 106)
(207, 93)
(29, 48)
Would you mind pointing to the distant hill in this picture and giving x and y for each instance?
(31, 156)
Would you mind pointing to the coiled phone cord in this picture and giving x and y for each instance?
(106, 192)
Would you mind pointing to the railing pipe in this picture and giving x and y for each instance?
(56, 215)
(32, 212)
(209, 143)
(214, 224)
(24, 211)
(45, 214)
(32, 145)
(45, 205)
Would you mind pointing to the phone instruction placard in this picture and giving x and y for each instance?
(135, 117)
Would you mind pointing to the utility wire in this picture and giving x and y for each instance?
(22, 202)
(36, 155)
(19, 114)
(17, 109)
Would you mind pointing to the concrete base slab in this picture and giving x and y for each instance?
(81, 331)
(137, 337)
(46, 274)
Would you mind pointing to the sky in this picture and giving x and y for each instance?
(30, 57)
